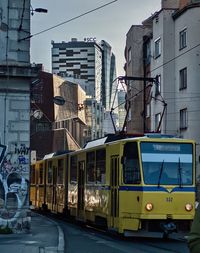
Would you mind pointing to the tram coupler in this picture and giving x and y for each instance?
(168, 228)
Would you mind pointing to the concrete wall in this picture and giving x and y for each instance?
(14, 156)
(134, 68)
(15, 78)
(163, 29)
(189, 57)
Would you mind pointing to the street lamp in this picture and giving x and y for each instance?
(38, 10)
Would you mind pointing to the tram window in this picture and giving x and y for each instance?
(50, 173)
(41, 177)
(33, 174)
(131, 169)
(73, 169)
(60, 172)
(90, 166)
(100, 165)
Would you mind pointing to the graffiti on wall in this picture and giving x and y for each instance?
(14, 176)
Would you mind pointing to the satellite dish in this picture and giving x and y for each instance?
(37, 114)
(58, 100)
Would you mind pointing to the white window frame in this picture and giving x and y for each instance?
(183, 119)
(157, 44)
(183, 38)
(158, 86)
(183, 78)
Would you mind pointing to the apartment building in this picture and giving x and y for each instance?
(173, 104)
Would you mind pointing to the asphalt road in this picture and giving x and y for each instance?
(87, 240)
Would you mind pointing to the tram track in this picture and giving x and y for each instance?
(102, 236)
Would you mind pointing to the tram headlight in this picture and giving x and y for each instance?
(149, 206)
(188, 207)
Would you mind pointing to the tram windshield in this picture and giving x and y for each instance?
(167, 163)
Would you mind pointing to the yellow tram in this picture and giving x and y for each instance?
(141, 185)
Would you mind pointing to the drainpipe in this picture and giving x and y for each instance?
(145, 38)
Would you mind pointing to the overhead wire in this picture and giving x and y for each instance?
(67, 21)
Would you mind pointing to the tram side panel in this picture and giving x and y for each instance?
(33, 186)
(41, 184)
(125, 177)
(72, 184)
(97, 186)
(49, 184)
(37, 188)
(61, 186)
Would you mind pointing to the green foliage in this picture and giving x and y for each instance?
(5, 230)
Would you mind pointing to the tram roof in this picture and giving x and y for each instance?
(114, 137)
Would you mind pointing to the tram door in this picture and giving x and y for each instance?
(37, 187)
(114, 183)
(81, 186)
(54, 197)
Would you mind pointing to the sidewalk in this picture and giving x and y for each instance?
(45, 237)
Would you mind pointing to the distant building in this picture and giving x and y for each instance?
(134, 67)
(93, 66)
(79, 59)
(109, 83)
(121, 109)
(109, 88)
(57, 127)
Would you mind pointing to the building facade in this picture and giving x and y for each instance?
(93, 66)
(122, 111)
(174, 60)
(177, 65)
(134, 67)
(109, 89)
(57, 127)
(16, 74)
(81, 59)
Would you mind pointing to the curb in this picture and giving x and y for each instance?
(61, 241)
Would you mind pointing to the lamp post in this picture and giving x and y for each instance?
(41, 10)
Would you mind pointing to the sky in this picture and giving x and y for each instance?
(110, 23)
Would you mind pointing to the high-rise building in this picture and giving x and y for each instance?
(93, 65)
(80, 59)
(108, 75)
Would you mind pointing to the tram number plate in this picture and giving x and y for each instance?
(169, 199)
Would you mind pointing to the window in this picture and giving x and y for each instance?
(33, 174)
(148, 53)
(148, 112)
(129, 55)
(183, 118)
(157, 121)
(43, 126)
(157, 48)
(41, 175)
(182, 39)
(90, 166)
(60, 172)
(183, 79)
(131, 169)
(158, 86)
(167, 163)
(100, 165)
(50, 173)
(69, 53)
(73, 169)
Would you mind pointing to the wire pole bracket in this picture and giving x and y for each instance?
(134, 78)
